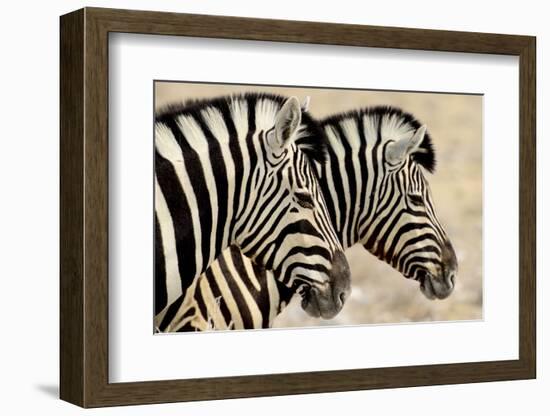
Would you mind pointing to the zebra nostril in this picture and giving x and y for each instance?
(451, 280)
(342, 297)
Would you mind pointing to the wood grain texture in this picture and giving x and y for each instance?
(162, 23)
(84, 207)
(96, 219)
(71, 100)
(527, 208)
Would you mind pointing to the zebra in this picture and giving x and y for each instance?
(238, 170)
(377, 196)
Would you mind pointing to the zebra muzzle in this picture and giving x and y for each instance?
(327, 301)
(441, 284)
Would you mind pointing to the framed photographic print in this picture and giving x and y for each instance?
(256, 207)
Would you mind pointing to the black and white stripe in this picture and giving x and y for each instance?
(377, 195)
(238, 170)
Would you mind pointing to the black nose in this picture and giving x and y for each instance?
(343, 296)
(340, 277)
(449, 259)
(450, 279)
(450, 265)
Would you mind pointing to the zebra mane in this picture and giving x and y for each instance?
(425, 156)
(311, 140)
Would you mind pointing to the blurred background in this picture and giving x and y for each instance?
(379, 293)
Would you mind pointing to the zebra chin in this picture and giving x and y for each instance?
(327, 301)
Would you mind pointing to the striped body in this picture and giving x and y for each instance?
(377, 196)
(238, 170)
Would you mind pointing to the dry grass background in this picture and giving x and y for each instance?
(379, 293)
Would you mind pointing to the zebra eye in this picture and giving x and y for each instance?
(305, 200)
(416, 199)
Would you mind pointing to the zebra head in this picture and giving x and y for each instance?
(406, 232)
(286, 226)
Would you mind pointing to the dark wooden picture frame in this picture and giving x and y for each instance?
(84, 207)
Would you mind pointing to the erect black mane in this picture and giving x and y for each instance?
(425, 157)
(312, 139)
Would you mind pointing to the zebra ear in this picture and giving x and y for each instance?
(397, 151)
(305, 104)
(287, 122)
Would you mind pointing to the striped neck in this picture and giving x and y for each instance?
(350, 180)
